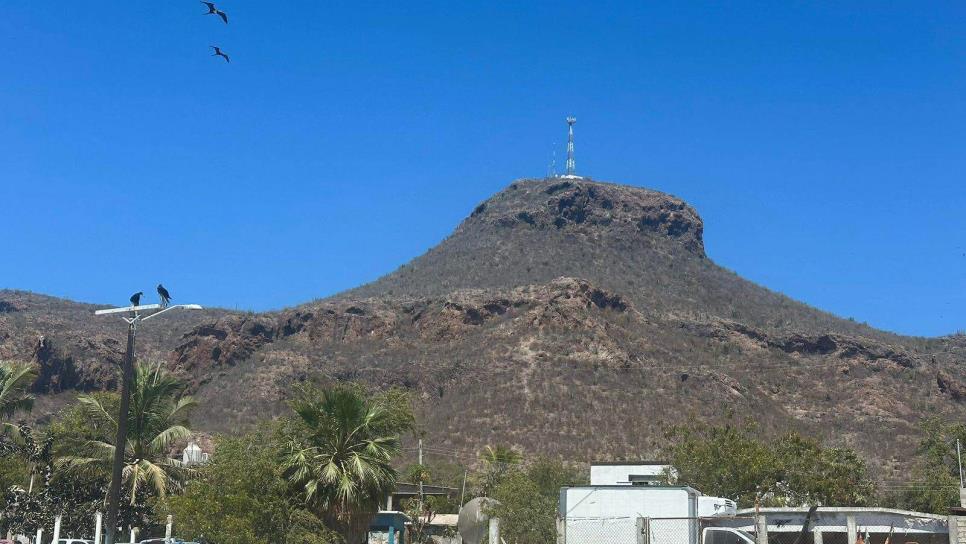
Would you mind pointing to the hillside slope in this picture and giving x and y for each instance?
(567, 317)
(644, 244)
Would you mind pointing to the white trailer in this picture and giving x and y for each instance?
(625, 514)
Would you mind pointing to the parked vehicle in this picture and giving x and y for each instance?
(726, 535)
(74, 541)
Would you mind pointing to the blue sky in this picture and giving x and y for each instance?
(822, 144)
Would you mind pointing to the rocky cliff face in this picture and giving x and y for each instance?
(568, 317)
(589, 210)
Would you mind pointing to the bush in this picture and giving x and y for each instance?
(733, 461)
(528, 500)
(239, 497)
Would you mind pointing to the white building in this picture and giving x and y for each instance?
(631, 473)
(192, 455)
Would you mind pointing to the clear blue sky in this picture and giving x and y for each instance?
(823, 145)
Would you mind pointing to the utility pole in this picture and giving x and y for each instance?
(421, 472)
(571, 164)
(959, 458)
(127, 378)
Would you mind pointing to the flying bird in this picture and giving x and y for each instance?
(165, 296)
(212, 10)
(136, 298)
(219, 53)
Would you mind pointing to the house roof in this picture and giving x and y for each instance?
(445, 520)
(842, 510)
(406, 488)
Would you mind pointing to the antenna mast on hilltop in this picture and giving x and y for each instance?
(553, 162)
(571, 165)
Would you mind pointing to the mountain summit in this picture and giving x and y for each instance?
(564, 316)
(646, 245)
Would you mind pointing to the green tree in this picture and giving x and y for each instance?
(501, 456)
(528, 500)
(240, 496)
(339, 457)
(720, 460)
(157, 419)
(418, 474)
(733, 461)
(497, 462)
(935, 476)
(15, 381)
(422, 513)
(306, 528)
(808, 473)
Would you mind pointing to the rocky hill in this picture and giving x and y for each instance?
(568, 317)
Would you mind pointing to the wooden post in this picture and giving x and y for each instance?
(40, 536)
(168, 527)
(816, 536)
(134, 535)
(56, 529)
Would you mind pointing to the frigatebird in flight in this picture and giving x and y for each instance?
(165, 296)
(219, 53)
(212, 10)
(136, 298)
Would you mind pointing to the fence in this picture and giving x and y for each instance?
(730, 530)
(55, 535)
(630, 530)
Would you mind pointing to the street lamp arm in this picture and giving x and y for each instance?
(175, 307)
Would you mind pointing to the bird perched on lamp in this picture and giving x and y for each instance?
(165, 296)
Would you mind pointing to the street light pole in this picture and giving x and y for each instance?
(127, 379)
(127, 376)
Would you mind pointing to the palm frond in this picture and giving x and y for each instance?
(15, 380)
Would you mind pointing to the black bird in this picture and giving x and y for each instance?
(136, 298)
(219, 53)
(165, 296)
(212, 10)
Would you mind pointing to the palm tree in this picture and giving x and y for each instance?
(339, 459)
(500, 456)
(497, 461)
(156, 420)
(15, 380)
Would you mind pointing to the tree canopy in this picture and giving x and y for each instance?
(340, 452)
(15, 382)
(157, 419)
(733, 461)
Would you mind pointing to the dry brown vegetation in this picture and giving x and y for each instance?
(570, 318)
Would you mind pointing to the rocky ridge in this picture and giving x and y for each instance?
(567, 317)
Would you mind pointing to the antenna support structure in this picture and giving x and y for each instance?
(571, 164)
